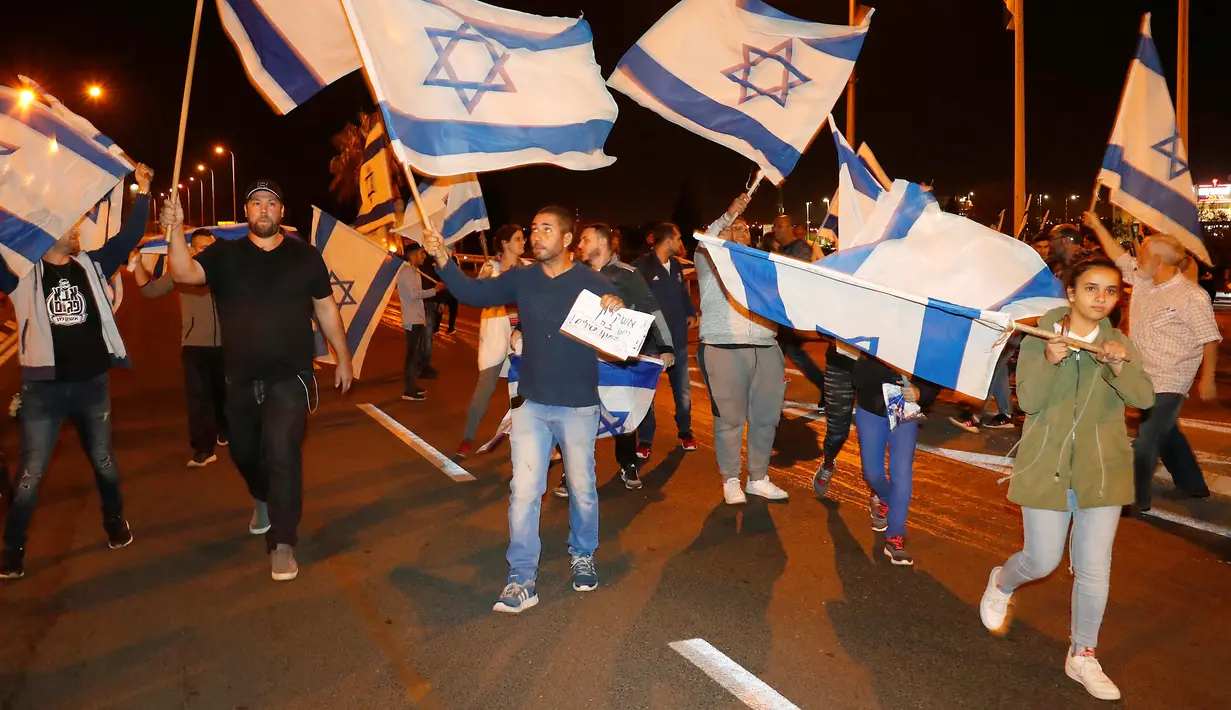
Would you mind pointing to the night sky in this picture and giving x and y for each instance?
(935, 101)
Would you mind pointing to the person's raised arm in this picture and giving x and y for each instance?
(114, 252)
(150, 286)
(184, 269)
(1110, 246)
(481, 293)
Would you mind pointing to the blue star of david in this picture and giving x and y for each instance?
(7, 149)
(609, 423)
(741, 74)
(450, 80)
(346, 286)
(1170, 147)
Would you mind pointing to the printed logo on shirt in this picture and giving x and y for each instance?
(66, 305)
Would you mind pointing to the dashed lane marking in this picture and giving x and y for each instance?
(749, 689)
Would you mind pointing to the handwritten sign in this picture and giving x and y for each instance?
(619, 334)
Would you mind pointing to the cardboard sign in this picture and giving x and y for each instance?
(619, 334)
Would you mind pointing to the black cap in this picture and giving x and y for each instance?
(263, 185)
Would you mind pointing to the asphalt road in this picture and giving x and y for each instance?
(400, 565)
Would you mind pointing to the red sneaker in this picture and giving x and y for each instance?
(643, 452)
(688, 443)
(463, 450)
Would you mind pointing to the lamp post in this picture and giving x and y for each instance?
(1066, 206)
(213, 194)
(188, 200)
(808, 217)
(201, 184)
(219, 150)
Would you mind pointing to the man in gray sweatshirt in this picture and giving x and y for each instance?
(205, 381)
(743, 369)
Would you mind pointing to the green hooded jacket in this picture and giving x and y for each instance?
(1075, 436)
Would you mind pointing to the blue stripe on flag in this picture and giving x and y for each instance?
(942, 343)
(517, 38)
(913, 202)
(371, 301)
(1147, 54)
(830, 221)
(1158, 195)
(861, 177)
(277, 56)
(1042, 285)
(372, 149)
(378, 212)
(470, 210)
(843, 47)
(25, 238)
(437, 138)
(638, 374)
(43, 121)
(681, 98)
(759, 7)
(759, 276)
(324, 229)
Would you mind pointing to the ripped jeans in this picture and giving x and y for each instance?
(44, 407)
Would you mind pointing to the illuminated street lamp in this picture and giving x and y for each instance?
(201, 183)
(213, 195)
(25, 97)
(94, 91)
(219, 150)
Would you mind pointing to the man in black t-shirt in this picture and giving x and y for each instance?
(267, 288)
(69, 341)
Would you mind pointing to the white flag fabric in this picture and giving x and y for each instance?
(463, 85)
(455, 205)
(858, 188)
(377, 201)
(291, 49)
(1146, 164)
(229, 231)
(52, 172)
(99, 225)
(363, 277)
(931, 294)
(742, 74)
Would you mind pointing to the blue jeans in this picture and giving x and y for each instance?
(681, 388)
(44, 407)
(535, 430)
(894, 491)
(999, 390)
(1159, 435)
(1094, 531)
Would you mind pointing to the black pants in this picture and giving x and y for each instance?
(206, 386)
(268, 420)
(416, 339)
(447, 300)
(626, 450)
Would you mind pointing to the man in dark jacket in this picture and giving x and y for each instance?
(665, 276)
(598, 249)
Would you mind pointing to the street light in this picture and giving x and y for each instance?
(201, 184)
(94, 91)
(213, 194)
(187, 199)
(807, 216)
(25, 97)
(219, 150)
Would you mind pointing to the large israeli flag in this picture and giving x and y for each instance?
(1146, 164)
(742, 74)
(291, 49)
(463, 85)
(858, 188)
(52, 172)
(927, 292)
(363, 276)
(377, 200)
(455, 205)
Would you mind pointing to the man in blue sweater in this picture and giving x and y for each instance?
(558, 380)
(665, 275)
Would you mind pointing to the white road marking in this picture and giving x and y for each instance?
(806, 414)
(408, 437)
(749, 689)
(1186, 521)
(1207, 425)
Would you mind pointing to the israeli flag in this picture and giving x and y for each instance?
(742, 74)
(1146, 164)
(625, 392)
(377, 199)
(229, 232)
(99, 225)
(463, 85)
(858, 188)
(52, 172)
(928, 292)
(363, 276)
(291, 49)
(455, 205)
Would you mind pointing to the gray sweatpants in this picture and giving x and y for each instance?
(746, 387)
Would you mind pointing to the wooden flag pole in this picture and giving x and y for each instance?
(1048, 335)
(756, 182)
(192, 61)
(414, 191)
(1094, 197)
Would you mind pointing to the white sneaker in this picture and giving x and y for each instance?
(1085, 669)
(994, 607)
(766, 489)
(732, 492)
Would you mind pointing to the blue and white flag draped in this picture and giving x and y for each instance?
(463, 85)
(363, 276)
(455, 205)
(1146, 164)
(377, 201)
(928, 292)
(229, 231)
(742, 74)
(99, 225)
(291, 49)
(54, 168)
(858, 188)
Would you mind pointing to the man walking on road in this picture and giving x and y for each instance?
(69, 340)
(665, 275)
(412, 295)
(558, 381)
(1172, 323)
(790, 342)
(268, 288)
(201, 353)
(742, 366)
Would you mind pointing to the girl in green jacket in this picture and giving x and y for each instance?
(1075, 465)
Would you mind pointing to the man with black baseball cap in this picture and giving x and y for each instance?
(267, 288)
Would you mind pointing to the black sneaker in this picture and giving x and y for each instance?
(820, 479)
(632, 480)
(118, 534)
(562, 489)
(416, 395)
(1000, 421)
(429, 373)
(11, 563)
